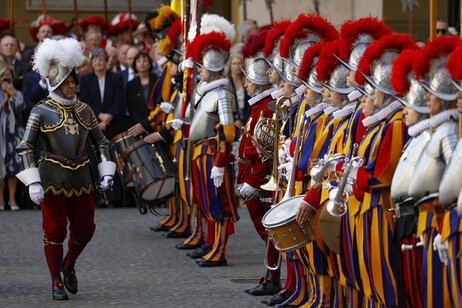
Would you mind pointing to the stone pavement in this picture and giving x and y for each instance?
(127, 265)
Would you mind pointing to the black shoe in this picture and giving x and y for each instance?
(69, 277)
(172, 234)
(159, 228)
(205, 263)
(58, 291)
(266, 287)
(183, 246)
(200, 252)
(279, 298)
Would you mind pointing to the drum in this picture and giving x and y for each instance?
(151, 170)
(118, 146)
(287, 235)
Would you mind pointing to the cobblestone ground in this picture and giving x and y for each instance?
(127, 265)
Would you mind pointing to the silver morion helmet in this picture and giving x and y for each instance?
(256, 69)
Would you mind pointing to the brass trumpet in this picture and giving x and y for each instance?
(273, 125)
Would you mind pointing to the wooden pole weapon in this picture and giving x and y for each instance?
(130, 26)
(11, 15)
(76, 20)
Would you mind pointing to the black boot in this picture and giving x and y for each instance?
(277, 299)
(70, 279)
(265, 287)
(200, 252)
(58, 291)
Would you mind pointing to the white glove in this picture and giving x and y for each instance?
(176, 123)
(105, 183)
(443, 250)
(217, 175)
(282, 155)
(188, 63)
(247, 191)
(166, 107)
(353, 174)
(331, 165)
(36, 193)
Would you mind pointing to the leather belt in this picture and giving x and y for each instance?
(244, 162)
(73, 163)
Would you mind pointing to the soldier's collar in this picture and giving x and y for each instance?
(444, 116)
(213, 85)
(63, 101)
(260, 96)
(383, 114)
(317, 109)
(417, 128)
(300, 90)
(345, 111)
(329, 110)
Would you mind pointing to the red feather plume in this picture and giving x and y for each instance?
(454, 65)
(302, 26)
(401, 68)
(308, 58)
(202, 42)
(398, 42)
(173, 32)
(351, 30)
(253, 44)
(433, 49)
(274, 35)
(327, 61)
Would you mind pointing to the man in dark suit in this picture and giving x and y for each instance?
(34, 89)
(9, 47)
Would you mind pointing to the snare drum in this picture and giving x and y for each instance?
(151, 170)
(118, 146)
(287, 235)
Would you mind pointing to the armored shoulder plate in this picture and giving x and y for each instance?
(85, 115)
(50, 114)
(403, 174)
(451, 184)
(432, 163)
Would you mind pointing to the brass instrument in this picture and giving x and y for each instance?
(338, 196)
(273, 125)
(317, 171)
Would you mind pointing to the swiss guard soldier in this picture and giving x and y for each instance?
(212, 133)
(62, 183)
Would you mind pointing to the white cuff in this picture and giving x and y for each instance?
(43, 84)
(29, 176)
(106, 168)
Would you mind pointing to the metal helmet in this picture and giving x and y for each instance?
(338, 80)
(297, 50)
(357, 51)
(312, 81)
(214, 59)
(381, 70)
(256, 69)
(276, 61)
(440, 83)
(366, 89)
(414, 98)
(57, 74)
(289, 76)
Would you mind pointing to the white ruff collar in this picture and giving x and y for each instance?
(345, 111)
(260, 96)
(212, 85)
(295, 100)
(382, 114)
(444, 116)
(63, 101)
(418, 128)
(329, 110)
(277, 94)
(300, 90)
(316, 110)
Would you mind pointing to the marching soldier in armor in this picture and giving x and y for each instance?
(212, 133)
(412, 95)
(429, 68)
(451, 190)
(62, 183)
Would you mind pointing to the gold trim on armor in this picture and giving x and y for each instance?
(73, 191)
(78, 109)
(62, 165)
(53, 128)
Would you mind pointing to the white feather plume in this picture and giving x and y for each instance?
(66, 52)
(213, 22)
